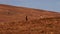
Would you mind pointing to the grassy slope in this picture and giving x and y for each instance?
(13, 21)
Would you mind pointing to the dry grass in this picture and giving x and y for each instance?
(16, 20)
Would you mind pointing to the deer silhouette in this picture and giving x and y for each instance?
(26, 18)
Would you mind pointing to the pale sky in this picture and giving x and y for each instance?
(53, 5)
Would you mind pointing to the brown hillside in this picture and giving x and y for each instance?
(21, 20)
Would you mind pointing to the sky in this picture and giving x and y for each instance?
(52, 5)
